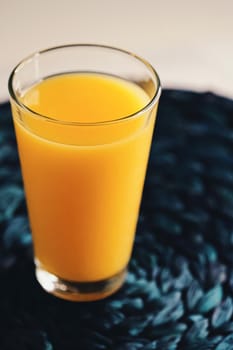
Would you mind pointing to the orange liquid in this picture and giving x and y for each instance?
(83, 183)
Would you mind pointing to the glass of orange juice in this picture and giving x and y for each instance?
(84, 116)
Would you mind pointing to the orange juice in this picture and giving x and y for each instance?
(83, 167)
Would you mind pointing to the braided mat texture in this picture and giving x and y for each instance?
(178, 293)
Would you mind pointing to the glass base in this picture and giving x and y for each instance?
(79, 291)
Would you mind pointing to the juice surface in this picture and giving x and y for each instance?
(85, 98)
(83, 183)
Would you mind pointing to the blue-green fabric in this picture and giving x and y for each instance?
(178, 293)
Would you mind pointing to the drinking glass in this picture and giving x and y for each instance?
(83, 179)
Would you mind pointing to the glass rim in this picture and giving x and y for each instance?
(152, 101)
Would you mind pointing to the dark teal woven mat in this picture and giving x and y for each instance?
(178, 293)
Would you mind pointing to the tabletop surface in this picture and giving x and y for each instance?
(178, 293)
(188, 42)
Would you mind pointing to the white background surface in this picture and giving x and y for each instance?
(190, 43)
